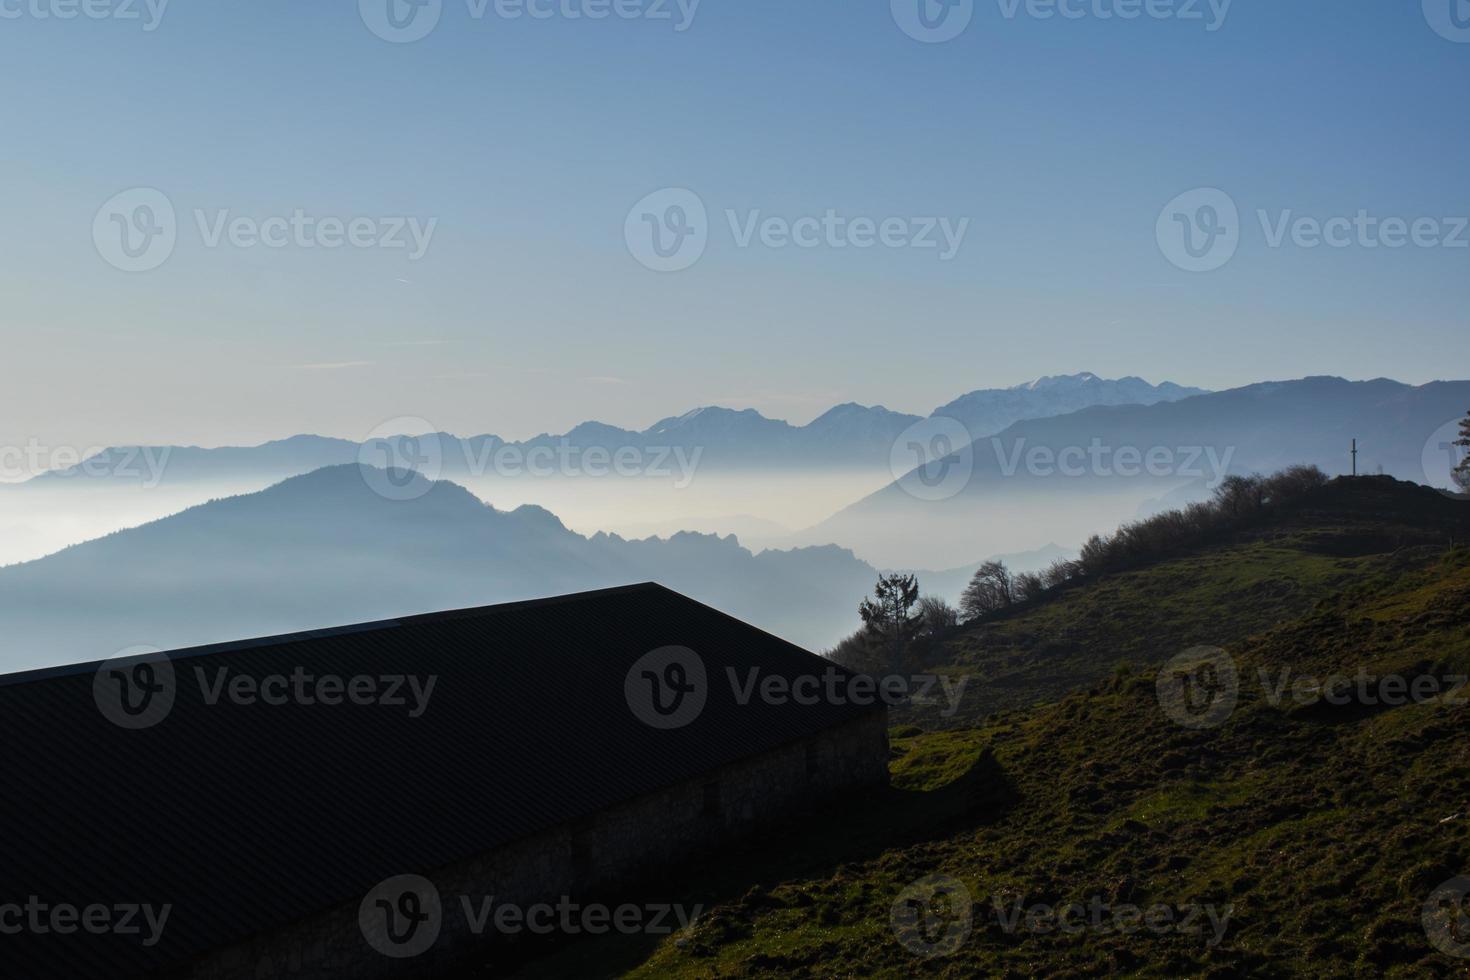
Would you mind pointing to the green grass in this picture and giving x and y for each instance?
(1320, 829)
(1264, 577)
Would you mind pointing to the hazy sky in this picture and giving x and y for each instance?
(527, 141)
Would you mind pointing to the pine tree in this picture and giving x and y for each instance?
(888, 619)
(1461, 473)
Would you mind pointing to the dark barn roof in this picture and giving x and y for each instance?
(248, 817)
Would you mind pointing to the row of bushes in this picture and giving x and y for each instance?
(1237, 501)
(908, 621)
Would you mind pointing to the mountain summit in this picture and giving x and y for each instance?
(990, 410)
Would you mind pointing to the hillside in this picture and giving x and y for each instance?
(1351, 533)
(323, 549)
(1295, 835)
(1082, 473)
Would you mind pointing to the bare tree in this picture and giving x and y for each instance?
(856, 652)
(990, 589)
(1029, 586)
(1061, 572)
(937, 616)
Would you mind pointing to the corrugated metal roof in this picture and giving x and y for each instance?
(245, 817)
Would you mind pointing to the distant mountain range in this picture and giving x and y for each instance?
(324, 549)
(989, 411)
(737, 456)
(848, 435)
(1084, 472)
(327, 548)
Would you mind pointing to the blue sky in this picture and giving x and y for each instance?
(526, 142)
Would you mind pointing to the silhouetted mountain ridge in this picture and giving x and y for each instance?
(324, 549)
(846, 435)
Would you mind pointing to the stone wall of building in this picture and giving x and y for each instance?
(585, 862)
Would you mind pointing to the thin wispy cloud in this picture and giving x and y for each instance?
(329, 366)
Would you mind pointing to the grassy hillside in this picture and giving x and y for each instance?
(1288, 823)
(1365, 532)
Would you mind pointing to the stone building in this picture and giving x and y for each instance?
(338, 803)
